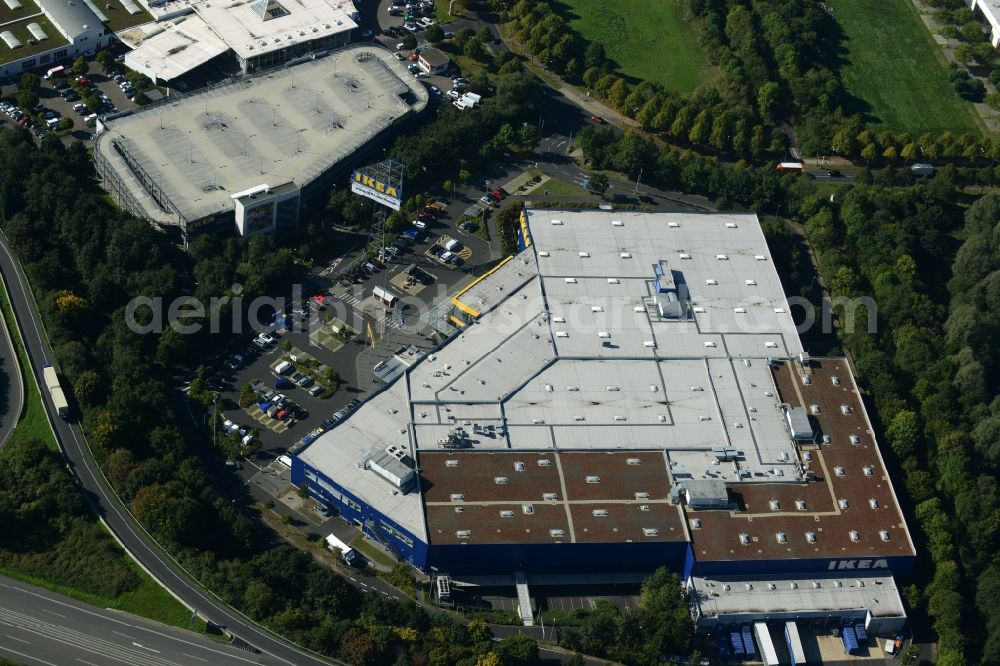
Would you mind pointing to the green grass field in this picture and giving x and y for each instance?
(894, 65)
(648, 40)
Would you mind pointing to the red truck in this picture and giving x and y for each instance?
(790, 167)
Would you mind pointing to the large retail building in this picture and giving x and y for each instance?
(629, 391)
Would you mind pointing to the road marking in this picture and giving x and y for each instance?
(89, 663)
(354, 579)
(194, 657)
(19, 640)
(131, 638)
(145, 648)
(27, 656)
(46, 610)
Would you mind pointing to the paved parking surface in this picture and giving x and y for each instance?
(49, 97)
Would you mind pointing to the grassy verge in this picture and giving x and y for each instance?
(491, 616)
(648, 40)
(147, 600)
(374, 554)
(34, 423)
(441, 14)
(557, 188)
(897, 69)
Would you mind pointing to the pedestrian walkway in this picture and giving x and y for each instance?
(524, 599)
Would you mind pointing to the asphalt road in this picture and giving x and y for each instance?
(44, 628)
(11, 386)
(120, 522)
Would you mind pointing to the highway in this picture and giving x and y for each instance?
(44, 628)
(110, 509)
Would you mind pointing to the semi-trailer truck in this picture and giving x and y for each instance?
(55, 391)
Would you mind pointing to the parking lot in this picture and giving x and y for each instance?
(549, 598)
(49, 98)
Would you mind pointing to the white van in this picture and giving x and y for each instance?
(452, 245)
(283, 367)
(286, 461)
(446, 256)
(91, 120)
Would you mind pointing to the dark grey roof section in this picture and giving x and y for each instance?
(72, 17)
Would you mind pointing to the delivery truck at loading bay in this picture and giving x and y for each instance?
(349, 554)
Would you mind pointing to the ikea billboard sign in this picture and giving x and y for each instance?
(377, 191)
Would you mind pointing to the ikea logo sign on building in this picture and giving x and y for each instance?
(840, 565)
(366, 186)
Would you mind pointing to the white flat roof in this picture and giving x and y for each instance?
(249, 35)
(535, 372)
(183, 44)
(289, 125)
(340, 452)
(721, 596)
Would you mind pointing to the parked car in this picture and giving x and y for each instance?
(400, 57)
(598, 120)
(316, 390)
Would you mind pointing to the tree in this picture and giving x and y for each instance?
(29, 82)
(519, 650)
(105, 59)
(767, 98)
(409, 41)
(595, 56)
(599, 183)
(964, 53)
(434, 34)
(247, 395)
(80, 66)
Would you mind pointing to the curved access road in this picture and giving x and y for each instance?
(121, 523)
(11, 384)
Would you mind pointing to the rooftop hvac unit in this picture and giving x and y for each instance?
(673, 225)
(869, 470)
(800, 505)
(617, 223)
(845, 409)
(855, 440)
(730, 225)
(838, 470)
(842, 503)
(500, 480)
(685, 255)
(527, 509)
(751, 283)
(556, 533)
(625, 255)
(745, 539)
(600, 513)
(518, 466)
(633, 461)
(696, 523)
(835, 380)
(451, 463)
(544, 462)
(506, 514)
(543, 254)
(463, 534)
(593, 479)
(711, 281)
(457, 497)
(641, 496)
(614, 281)
(811, 537)
(550, 497)
(873, 503)
(650, 531)
(884, 535)
(557, 222)
(722, 257)
(775, 505)
(854, 535)
(760, 257)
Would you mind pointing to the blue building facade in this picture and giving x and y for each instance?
(561, 558)
(403, 544)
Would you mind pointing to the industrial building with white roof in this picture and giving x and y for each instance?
(628, 391)
(38, 33)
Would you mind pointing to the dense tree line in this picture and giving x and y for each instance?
(86, 260)
(641, 636)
